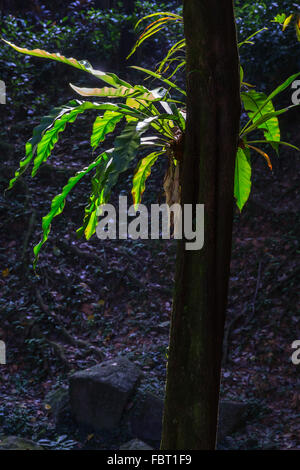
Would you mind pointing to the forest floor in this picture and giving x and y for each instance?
(117, 295)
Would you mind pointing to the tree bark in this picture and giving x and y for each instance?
(201, 280)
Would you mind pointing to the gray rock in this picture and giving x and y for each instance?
(59, 401)
(135, 444)
(232, 416)
(18, 443)
(145, 418)
(99, 395)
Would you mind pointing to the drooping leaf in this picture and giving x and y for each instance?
(179, 66)
(269, 142)
(83, 65)
(163, 21)
(251, 127)
(297, 27)
(68, 114)
(103, 125)
(97, 198)
(241, 74)
(274, 93)
(160, 13)
(242, 177)
(142, 172)
(152, 141)
(175, 49)
(151, 29)
(181, 116)
(58, 203)
(135, 104)
(247, 41)
(264, 154)
(254, 106)
(287, 22)
(283, 86)
(125, 150)
(121, 92)
(31, 145)
(45, 135)
(126, 146)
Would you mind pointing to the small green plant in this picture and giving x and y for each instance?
(285, 21)
(137, 111)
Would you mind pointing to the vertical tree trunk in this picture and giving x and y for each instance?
(196, 336)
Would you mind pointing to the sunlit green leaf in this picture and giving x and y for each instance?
(58, 203)
(121, 92)
(68, 114)
(242, 177)
(142, 172)
(31, 145)
(83, 65)
(126, 146)
(270, 142)
(254, 105)
(159, 77)
(287, 22)
(251, 127)
(103, 126)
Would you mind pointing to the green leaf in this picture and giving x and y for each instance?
(142, 172)
(242, 177)
(274, 93)
(283, 86)
(128, 142)
(45, 135)
(297, 27)
(104, 125)
(121, 92)
(270, 142)
(83, 65)
(249, 128)
(154, 27)
(173, 50)
(287, 22)
(262, 153)
(97, 198)
(279, 18)
(68, 115)
(58, 202)
(126, 146)
(241, 75)
(254, 104)
(247, 41)
(125, 150)
(162, 14)
(180, 117)
(159, 77)
(31, 145)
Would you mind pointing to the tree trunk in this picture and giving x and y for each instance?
(201, 282)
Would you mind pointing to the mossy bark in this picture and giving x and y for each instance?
(201, 283)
